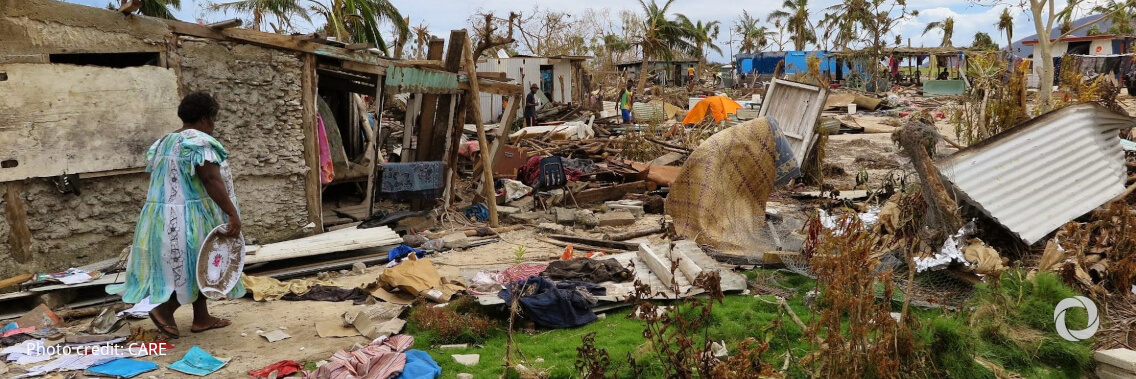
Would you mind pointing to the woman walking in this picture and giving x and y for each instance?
(190, 194)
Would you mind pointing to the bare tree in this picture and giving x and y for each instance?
(487, 35)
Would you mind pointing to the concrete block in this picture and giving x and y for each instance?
(465, 376)
(525, 204)
(467, 359)
(1105, 371)
(548, 227)
(506, 210)
(528, 218)
(621, 217)
(1123, 359)
(564, 216)
(634, 206)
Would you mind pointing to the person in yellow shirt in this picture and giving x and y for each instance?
(625, 100)
(690, 75)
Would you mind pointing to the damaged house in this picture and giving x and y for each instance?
(84, 92)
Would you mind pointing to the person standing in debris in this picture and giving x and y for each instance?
(190, 194)
(530, 106)
(690, 76)
(624, 104)
(1130, 80)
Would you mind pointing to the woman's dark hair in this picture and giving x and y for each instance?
(197, 106)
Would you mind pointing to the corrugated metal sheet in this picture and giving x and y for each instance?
(1046, 172)
(409, 79)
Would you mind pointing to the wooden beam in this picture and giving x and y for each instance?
(225, 24)
(494, 87)
(297, 43)
(363, 67)
(359, 46)
(313, 187)
(615, 192)
(444, 122)
(473, 104)
(436, 64)
(425, 130)
(19, 236)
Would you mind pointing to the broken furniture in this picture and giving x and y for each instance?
(551, 176)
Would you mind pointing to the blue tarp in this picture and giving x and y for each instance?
(419, 365)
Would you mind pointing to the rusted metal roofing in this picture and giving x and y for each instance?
(1045, 172)
(408, 79)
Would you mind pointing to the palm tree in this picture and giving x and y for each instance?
(281, 10)
(357, 21)
(754, 38)
(702, 36)
(795, 14)
(155, 8)
(1119, 15)
(947, 26)
(840, 28)
(421, 38)
(1006, 25)
(982, 41)
(659, 37)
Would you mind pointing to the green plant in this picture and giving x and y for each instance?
(456, 322)
(519, 254)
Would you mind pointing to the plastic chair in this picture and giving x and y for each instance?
(551, 176)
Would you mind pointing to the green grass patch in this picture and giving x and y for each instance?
(1010, 325)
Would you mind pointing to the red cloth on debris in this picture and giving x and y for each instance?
(383, 359)
(520, 272)
(282, 368)
(530, 172)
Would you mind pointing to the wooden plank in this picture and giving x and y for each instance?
(686, 266)
(473, 101)
(232, 23)
(313, 190)
(596, 242)
(615, 192)
(295, 43)
(426, 119)
(100, 174)
(359, 46)
(444, 126)
(493, 87)
(67, 119)
(363, 67)
(19, 236)
(431, 63)
(660, 267)
(330, 242)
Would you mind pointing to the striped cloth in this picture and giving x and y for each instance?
(383, 359)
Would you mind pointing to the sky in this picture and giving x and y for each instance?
(444, 15)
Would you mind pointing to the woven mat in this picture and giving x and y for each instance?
(719, 197)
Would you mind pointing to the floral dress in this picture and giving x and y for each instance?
(177, 216)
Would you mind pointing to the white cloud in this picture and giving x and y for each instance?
(445, 15)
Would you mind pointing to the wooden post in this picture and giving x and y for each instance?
(474, 105)
(20, 237)
(408, 128)
(424, 151)
(313, 188)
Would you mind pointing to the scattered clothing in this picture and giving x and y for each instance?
(412, 180)
(785, 160)
(515, 189)
(565, 304)
(329, 293)
(18, 331)
(584, 166)
(327, 168)
(9, 326)
(264, 288)
(417, 277)
(484, 284)
(175, 219)
(520, 272)
(402, 251)
(198, 362)
(122, 368)
(282, 369)
(382, 359)
(419, 365)
(334, 138)
(476, 212)
(587, 270)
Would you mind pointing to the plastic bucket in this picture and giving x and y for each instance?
(852, 108)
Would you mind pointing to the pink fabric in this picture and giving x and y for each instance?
(18, 331)
(383, 359)
(327, 168)
(520, 272)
